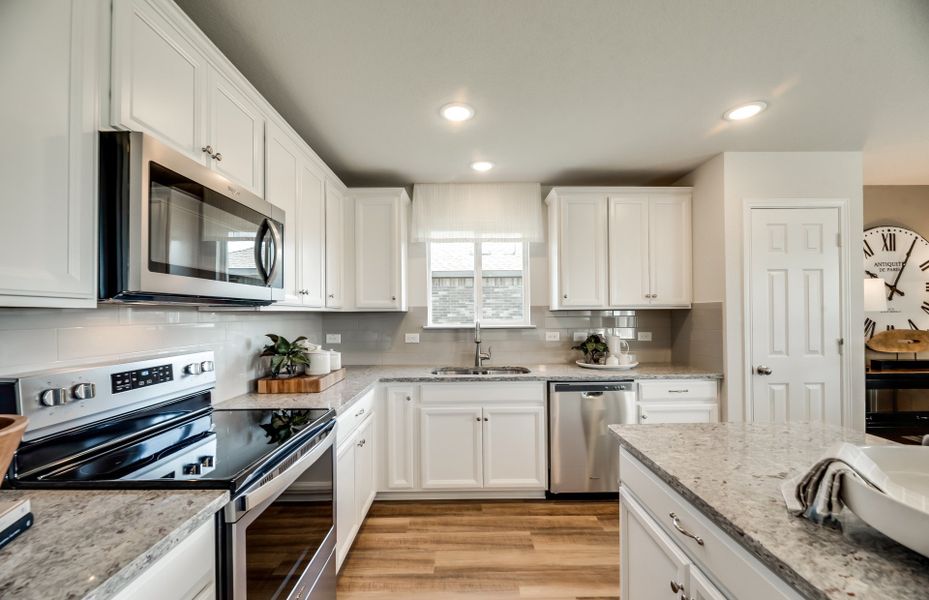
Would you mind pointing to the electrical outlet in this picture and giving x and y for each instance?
(645, 336)
(552, 336)
(411, 338)
(580, 336)
(333, 338)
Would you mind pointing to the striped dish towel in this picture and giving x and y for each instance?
(815, 494)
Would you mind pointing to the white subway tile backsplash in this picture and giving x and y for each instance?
(25, 349)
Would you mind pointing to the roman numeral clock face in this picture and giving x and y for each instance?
(900, 257)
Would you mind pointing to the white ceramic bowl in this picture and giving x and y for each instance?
(906, 522)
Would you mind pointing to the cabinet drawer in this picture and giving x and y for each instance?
(349, 421)
(479, 392)
(677, 389)
(719, 556)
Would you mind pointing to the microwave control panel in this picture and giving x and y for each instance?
(133, 380)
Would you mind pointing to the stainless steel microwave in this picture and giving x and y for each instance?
(174, 231)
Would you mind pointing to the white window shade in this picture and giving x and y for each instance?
(477, 211)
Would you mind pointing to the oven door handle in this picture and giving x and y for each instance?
(271, 489)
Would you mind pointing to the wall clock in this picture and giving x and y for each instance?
(901, 258)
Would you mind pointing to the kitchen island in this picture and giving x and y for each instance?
(721, 483)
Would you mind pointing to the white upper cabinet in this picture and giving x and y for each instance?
(629, 268)
(283, 168)
(381, 233)
(335, 245)
(669, 249)
(311, 229)
(579, 251)
(48, 250)
(620, 248)
(235, 134)
(159, 78)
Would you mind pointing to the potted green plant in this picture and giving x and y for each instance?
(286, 357)
(594, 349)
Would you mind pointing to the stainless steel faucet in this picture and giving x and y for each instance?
(479, 357)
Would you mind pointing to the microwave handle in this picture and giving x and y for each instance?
(259, 254)
(278, 251)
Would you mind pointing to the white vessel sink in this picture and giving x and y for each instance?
(904, 519)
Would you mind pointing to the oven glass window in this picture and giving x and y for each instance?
(196, 232)
(284, 539)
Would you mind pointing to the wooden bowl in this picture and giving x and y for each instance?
(12, 428)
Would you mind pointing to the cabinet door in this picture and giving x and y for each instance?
(235, 132)
(377, 252)
(49, 146)
(311, 219)
(629, 235)
(514, 447)
(700, 587)
(159, 78)
(582, 256)
(283, 163)
(669, 236)
(649, 561)
(651, 413)
(346, 515)
(364, 469)
(401, 437)
(335, 240)
(451, 447)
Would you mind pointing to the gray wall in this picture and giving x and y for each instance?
(697, 336)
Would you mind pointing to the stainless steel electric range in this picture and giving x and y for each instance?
(150, 424)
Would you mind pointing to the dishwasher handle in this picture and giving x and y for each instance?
(593, 387)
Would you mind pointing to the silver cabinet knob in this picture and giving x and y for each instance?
(478, 419)
(208, 149)
(84, 391)
(207, 366)
(218, 157)
(193, 369)
(565, 296)
(643, 418)
(54, 397)
(332, 295)
(763, 370)
(677, 587)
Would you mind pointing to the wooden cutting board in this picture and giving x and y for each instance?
(899, 341)
(302, 384)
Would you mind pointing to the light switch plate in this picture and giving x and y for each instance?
(411, 338)
(333, 338)
(552, 336)
(580, 336)
(645, 336)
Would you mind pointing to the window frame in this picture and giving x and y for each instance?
(478, 287)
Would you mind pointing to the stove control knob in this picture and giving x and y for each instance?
(84, 391)
(206, 366)
(54, 397)
(191, 469)
(193, 369)
(206, 461)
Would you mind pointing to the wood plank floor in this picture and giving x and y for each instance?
(479, 550)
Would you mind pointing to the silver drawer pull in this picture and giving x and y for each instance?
(677, 525)
(678, 391)
(360, 412)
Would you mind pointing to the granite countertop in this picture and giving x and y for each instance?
(359, 379)
(91, 544)
(732, 472)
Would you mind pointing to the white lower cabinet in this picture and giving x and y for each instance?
(678, 401)
(669, 549)
(652, 413)
(356, 477)
(514, 447)
(400, 438)
(451, 447)
(186, 572)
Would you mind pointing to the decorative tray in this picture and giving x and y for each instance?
(607, 367)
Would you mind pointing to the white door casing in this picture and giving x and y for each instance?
(795, 314)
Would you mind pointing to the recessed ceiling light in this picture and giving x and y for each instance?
(482, 165)
(745, 111)
(457, 111)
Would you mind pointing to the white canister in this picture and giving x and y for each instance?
(319, 362)
(335, 360)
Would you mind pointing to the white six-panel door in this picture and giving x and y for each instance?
(795, 307)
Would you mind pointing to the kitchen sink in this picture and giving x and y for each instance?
(480, 371)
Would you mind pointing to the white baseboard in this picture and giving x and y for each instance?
(463, 495)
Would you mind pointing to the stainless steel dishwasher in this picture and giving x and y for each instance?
(584, 456)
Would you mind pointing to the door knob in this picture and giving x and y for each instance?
(763, 370)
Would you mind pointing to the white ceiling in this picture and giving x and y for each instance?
(584, 91)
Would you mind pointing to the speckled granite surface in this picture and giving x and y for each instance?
(91, 544)
(732, 472)
(359, 380)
